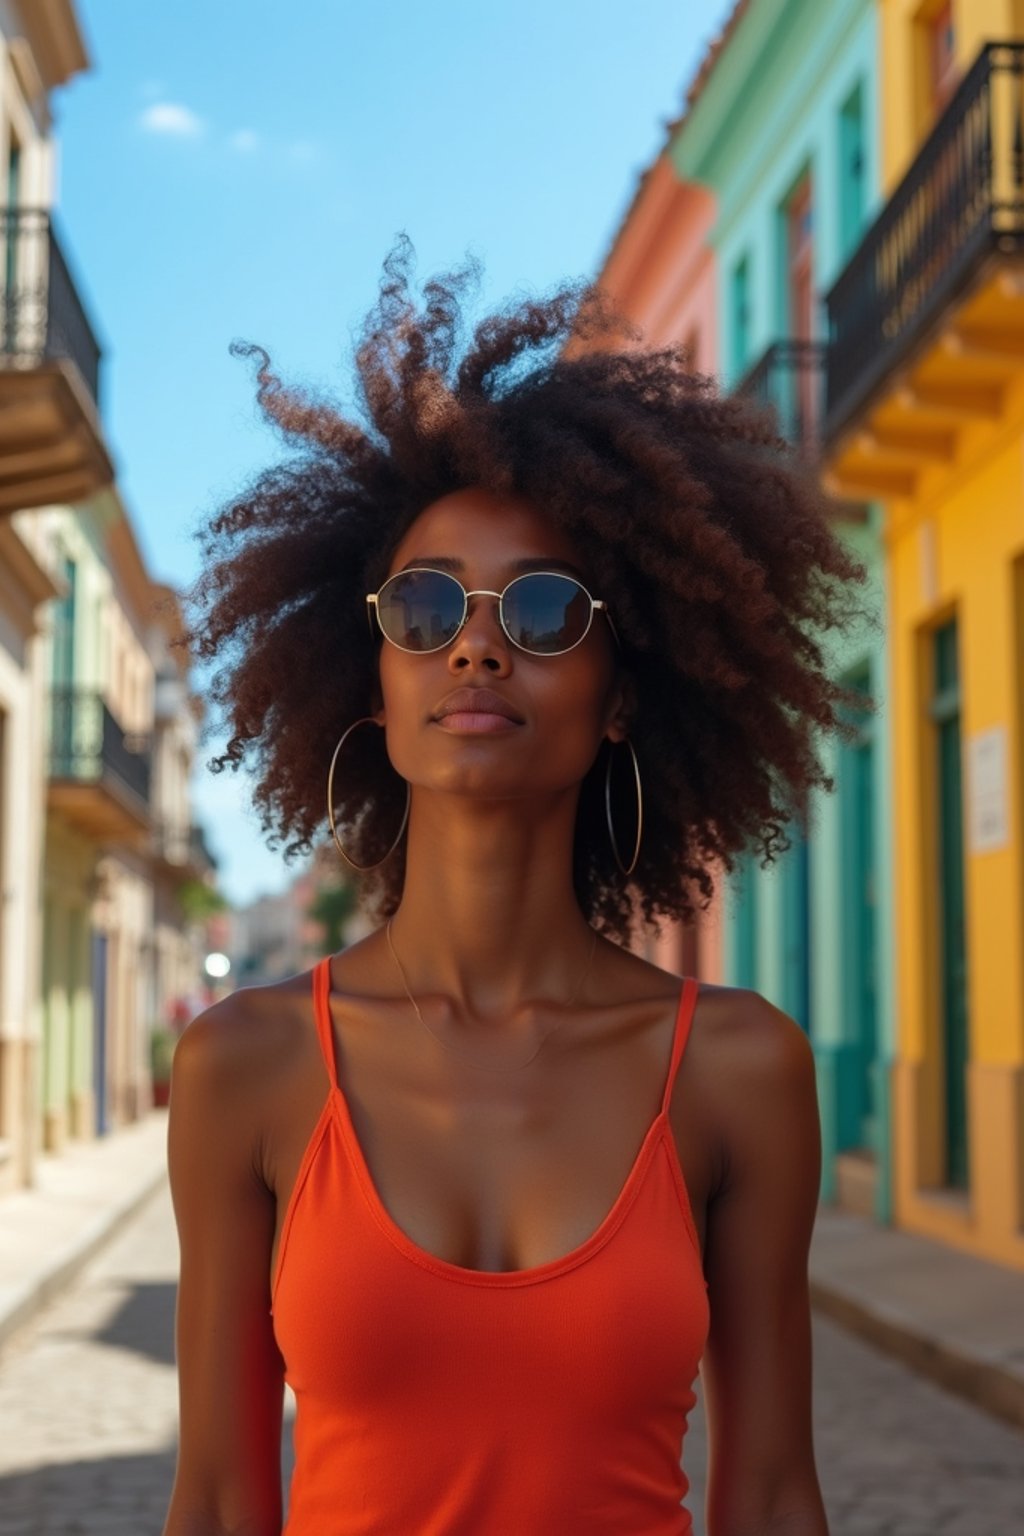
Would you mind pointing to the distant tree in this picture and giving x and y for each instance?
(331, 907)
(198, 901)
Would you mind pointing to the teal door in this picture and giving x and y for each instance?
(859, 907)
(744, 925)
(945, 714)
(739, 316)
(796, 938)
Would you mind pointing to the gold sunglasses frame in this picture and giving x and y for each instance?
(596, 603)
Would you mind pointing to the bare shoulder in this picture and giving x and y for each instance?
(740, 1033)
(250, 1039)
(759, 1074)
(750, 1071)
(751, 1031)
(754, 1045)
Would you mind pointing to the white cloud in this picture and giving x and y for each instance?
(244, 141)
(171, 118)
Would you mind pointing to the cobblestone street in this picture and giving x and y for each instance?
(88, 1409)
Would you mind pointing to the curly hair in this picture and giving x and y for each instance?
(704, 530)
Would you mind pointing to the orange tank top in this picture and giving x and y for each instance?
(434, 1400)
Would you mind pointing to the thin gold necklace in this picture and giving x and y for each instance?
(479, 1065)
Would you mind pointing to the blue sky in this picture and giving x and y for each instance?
(231, 168)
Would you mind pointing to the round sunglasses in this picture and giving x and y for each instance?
(544, 613)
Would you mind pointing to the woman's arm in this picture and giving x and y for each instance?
(230, 1372)
(756, 1371)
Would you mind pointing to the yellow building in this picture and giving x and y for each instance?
(925, 413)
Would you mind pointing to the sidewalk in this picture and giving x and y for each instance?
(956, 1319)
(83, 1195)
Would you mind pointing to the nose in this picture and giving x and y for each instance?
(481, 642)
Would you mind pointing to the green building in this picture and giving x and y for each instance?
(780, 129)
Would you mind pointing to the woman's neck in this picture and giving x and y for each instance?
(488, 917)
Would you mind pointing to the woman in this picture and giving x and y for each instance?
(485, 1186)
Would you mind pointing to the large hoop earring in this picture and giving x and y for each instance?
(330, 803)
(626, 870)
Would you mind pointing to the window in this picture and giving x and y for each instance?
(740, 317)
(63, 651)
(942, 56)
(13, 202)
(13, 173)
(799, 261)
(852, 199)
(797, 401)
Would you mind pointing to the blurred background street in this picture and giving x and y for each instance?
(823, 207)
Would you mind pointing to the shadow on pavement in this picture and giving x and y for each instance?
(144, 1322)
(112, 1495)
(118, 1494)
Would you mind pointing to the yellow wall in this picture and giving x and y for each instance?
(956, 549)
(906, 112)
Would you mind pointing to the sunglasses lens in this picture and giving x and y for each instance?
(420, 610)
(546, 613)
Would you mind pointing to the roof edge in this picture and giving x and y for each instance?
(705, 68)
(55, 37)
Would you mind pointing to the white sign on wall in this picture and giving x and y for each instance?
(988, 811)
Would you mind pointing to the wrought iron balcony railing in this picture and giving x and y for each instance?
(171, 841)
(88, 746)
(962, 199)
(182, 844)
(41, 311)
(790, 375)
(201, 853)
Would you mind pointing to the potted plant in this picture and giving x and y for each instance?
(161, 1048)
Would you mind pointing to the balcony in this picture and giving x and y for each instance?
(927, 319)
(182, 850)
(203, 858)
(51, 438)
(790, 375)
(169, 845)
(99, 775)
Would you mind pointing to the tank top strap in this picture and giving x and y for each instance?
(684, 1018)
(322, 1014)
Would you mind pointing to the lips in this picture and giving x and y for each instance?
(477, 701)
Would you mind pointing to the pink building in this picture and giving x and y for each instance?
(660, 272)
(660, 269)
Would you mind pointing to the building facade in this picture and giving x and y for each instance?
(925, 413)
(51, 446)
(660, 273)
(783, 132)
(97, 724)
(865, 168)
(181, 861)
(764, 187)
(98, 900)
